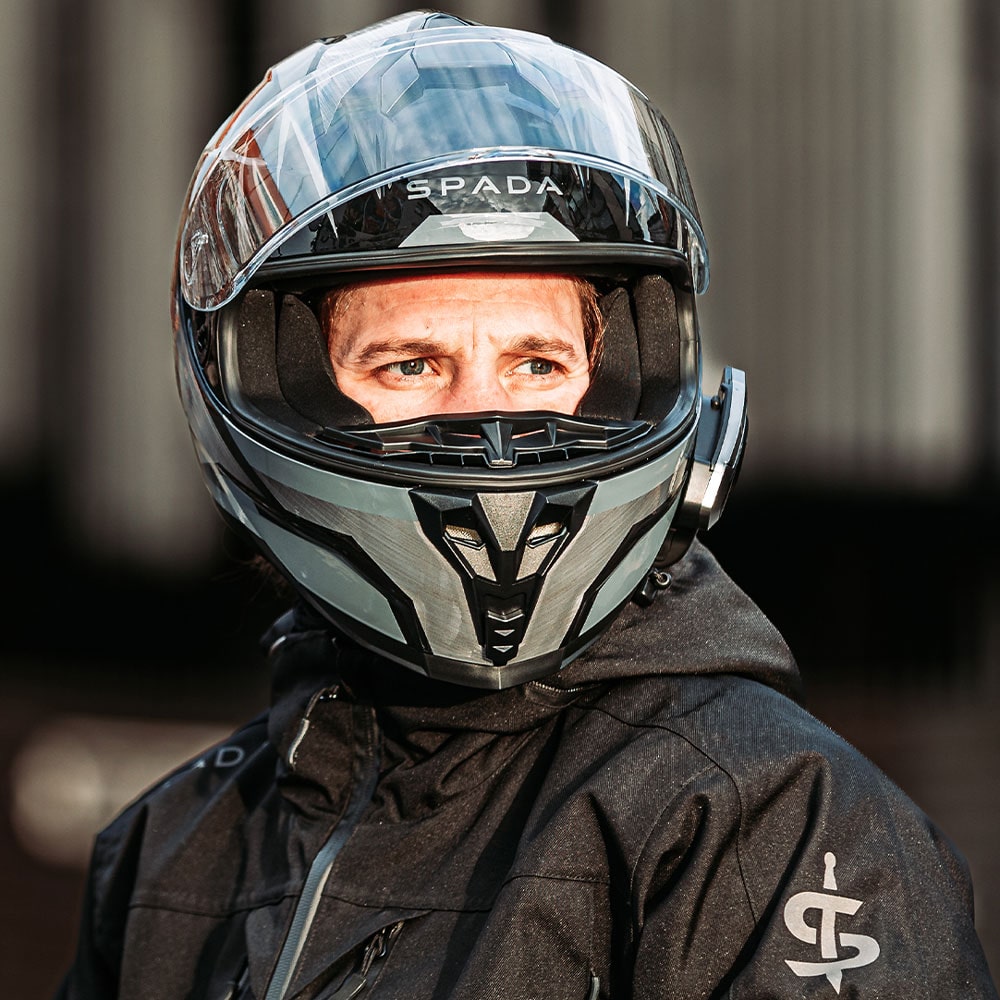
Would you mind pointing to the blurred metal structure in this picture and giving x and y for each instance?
(24, 171)
(829, 147)
(846, 155)
(830, 144)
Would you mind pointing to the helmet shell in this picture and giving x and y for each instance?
(484, 549)
(416, 104)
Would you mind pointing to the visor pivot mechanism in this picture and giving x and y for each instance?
(718, 450)
(656, 580)
(718, 453)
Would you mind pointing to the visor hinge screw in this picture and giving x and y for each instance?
(656, 580)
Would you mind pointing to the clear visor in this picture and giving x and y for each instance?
(338, 119)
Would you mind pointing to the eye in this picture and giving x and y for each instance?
(537, 366)
(415, 366)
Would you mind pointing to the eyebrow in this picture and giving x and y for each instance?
(534, 344)
(527, 344)
(397, 348)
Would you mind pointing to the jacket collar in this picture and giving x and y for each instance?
(703, 624)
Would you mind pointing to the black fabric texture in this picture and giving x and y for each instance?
(658, 331)
(284, 368)
(256, 353)
(616, 382)
(637, 375)
(305, 372)
(644, 820)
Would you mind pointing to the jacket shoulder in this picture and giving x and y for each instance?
(235, 758)
(238, 768)
(785, 823)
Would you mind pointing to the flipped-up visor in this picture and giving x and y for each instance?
(393, 106)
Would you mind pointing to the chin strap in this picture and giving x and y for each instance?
(718, 452)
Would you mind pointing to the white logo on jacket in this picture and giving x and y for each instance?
(865, 949)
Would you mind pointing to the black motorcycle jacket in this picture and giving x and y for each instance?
(660, 820)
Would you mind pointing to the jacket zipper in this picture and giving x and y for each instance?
(364, 776)
(375, 955)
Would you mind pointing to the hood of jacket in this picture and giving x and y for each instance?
(702, 624)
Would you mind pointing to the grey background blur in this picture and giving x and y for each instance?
(846, 158)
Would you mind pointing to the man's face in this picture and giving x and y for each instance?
(458, 343)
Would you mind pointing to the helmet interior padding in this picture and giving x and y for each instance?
(638, 373)
(306, 373)
(258, 369)
(658, 335)
(616, 381)
(285, 366)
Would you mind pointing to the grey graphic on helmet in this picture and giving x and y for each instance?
(487, 546)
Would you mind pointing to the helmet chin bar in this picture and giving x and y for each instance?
(501, 546)
(715, 465)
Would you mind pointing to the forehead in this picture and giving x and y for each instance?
(444, 295)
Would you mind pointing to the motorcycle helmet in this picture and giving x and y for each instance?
(485, 549)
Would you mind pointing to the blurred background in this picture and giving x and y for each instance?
(846, 157)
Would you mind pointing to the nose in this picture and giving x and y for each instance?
(478, 387)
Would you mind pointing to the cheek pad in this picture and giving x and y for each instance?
(283, 366)
(637, 376)
(304, 369)
(616, 382)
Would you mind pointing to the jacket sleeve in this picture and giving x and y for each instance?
(94, 974)
(90, 976)
(803, 873)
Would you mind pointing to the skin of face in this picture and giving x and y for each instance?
(423, 345)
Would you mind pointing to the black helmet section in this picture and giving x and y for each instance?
(514, 209)
(501, 545)
(282, 366)
(277, 377)
(380, 143)
(715, 465)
